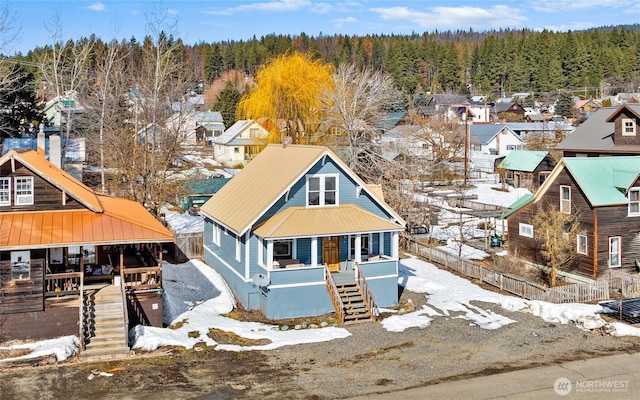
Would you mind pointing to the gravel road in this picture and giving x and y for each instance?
(371, 360)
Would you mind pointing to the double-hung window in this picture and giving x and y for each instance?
(565, 199)
(5, 191)
(634, 201)
(615, 251)
(581, 245)
(322, 190)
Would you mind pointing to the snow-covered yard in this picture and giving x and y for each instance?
(197, 296)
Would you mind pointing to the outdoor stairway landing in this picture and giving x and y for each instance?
(356, 308)
(106, 326)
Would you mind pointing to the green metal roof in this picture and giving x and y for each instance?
(523, 160)
(518, 204)
(604, 180)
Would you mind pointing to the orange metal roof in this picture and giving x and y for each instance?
(126, 222)
(56, 176)
(106, 220)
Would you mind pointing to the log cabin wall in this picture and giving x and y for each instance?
(24, 295)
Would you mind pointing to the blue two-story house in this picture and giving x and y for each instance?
(297, 233)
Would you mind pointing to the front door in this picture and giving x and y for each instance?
(331, 252)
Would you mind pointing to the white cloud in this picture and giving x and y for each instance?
(562, 6)
(453, 17)
(269, 6)
(339, 22)
(97, 7)
(173, 12)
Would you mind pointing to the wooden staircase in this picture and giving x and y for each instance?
(105, 324)
(355, 307)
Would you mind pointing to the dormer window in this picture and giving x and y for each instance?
(628, 127)
(322, 190)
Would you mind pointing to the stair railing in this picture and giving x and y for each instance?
(334, 294)
(125, 308)
(81, 311)
(366, 290)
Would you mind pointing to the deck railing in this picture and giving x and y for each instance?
(142, 278)
(63, 284)
(334, 294)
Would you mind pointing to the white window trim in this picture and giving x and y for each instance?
(6, 191)
(215, 238)
(525, 230)
(637, 202)
(562, 200)
(23, 199)
(322, 190)
(238, 248)
(586, 248)
(619, 240)
(633, 127)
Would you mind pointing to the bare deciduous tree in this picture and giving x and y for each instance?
(556, 234)
(353, 110)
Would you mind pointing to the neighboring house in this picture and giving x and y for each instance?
(240, 143)
(58, 239)
(508, 111)
(584, 107)
(610, 131)
(496, 139)
(604, 192)
(439, 105)
(545, 129)
(58, 109)
(526, 168)
(198, 191)
(408, 140)
(391, 120)
(296, 228)
(480, 112)
(198, 128)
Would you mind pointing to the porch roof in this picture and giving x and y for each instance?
(123, 221)
(323, 221)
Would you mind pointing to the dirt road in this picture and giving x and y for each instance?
(371, 360)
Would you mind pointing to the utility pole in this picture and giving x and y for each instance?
(465, 117)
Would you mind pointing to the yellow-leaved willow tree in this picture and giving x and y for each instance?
(288, 91)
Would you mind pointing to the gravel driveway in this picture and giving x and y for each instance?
(371, 360)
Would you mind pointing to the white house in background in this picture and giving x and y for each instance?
(198, 128)
(409, 140)
(496, 139)
(240, 143)
(59, 108)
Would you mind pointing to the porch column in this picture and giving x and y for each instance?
(269, 254)
(395, 241)
(314, 251)
(358, 247)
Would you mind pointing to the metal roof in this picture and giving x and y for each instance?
(323, 221)
(593, 134)
(518, 204)
(484, 133)
(265, 179)
(523, 160)
(600, 178)
(105, 220)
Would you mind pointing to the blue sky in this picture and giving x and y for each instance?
(211, 21)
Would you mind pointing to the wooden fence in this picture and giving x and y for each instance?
(573, 293)
(628, 284)
(188, 246)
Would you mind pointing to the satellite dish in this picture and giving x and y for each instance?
(260, 279)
